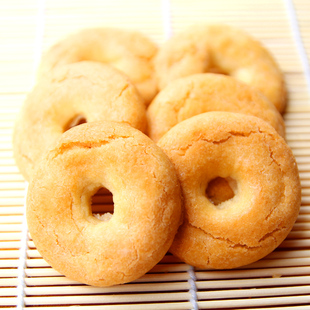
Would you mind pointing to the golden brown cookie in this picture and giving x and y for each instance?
(147, 204)
(73, 94)
(222, 49)
(205, 92)
(260, 169)
(129, 51)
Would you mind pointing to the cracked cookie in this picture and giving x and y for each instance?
(205, 92)
(259, 167)
(129, 51)
(222, 49)
(147, 204)
(71, 95)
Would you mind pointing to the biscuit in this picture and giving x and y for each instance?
(72, 94)
(221, 49)
(205, 92)
(147, 204)
(267, 193)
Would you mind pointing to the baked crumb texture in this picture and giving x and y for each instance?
(267, 191)
(147, 204)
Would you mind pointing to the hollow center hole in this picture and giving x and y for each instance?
(102, 204)
(75, 121)
(220, 190)
(217, 71)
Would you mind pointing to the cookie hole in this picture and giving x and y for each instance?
(217, 71)
(102, 205)
(75, 121)
(220, 190)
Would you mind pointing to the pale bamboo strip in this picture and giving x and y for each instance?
(4, 236)
(291, 124)
(139, 306)
(305, 209)
(11, 209)
(299, 307)
(304, 243)
(47, 276)
(254, 302)
(36, 263)
(10, 301)
(303, 218)
(8, 186)
(171, 286)
(8, 263)
(258, 292)
(33, 254)
(281, 262)
(297, 112)
(11, 177)
(107, 299)
(10, 227)
(301, 152)
(7, 124)
(11, 201)
(8, 292)
(302, 226)
(10, 245)
(303, 131)
(89, 290)
(302, 160)
(305, 183)
(6, 154)
(7, 162)
(7, 254)
(8, 273)
(298, 235)
(305, 200)
(37, 272)
(288, 254)
(12, 193)
(266, 282)
(8, 282)
(147, 278)
(10, 219)
(304, 175)
(304, 167)
(36, 260)
(252, 273)
(299, 144)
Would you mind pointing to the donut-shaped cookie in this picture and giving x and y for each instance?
(129, 51)
(224, 49)
(146, 195)
(260, 169)
(72, 94)
(205, 92)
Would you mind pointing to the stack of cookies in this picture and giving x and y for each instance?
(188, 137)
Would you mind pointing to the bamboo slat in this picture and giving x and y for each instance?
(281, 280)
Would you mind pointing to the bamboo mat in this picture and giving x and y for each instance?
(279, 281)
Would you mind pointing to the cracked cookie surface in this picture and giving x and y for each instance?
(146, 195)
(205, 92)
(266, 198)
(129, 51)
(75, 93)
(224, 49)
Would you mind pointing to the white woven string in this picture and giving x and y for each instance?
(193, 288)
(22, 260)
(166, 12)
(298, 39)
